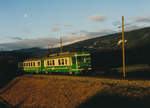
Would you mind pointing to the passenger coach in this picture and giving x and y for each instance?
(66, 63)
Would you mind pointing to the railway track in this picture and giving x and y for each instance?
(41, 76)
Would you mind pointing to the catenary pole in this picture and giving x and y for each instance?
(123, 48)
(60, 44)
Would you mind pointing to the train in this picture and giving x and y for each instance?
(72, 63)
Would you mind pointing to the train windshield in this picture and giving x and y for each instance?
(83, 59)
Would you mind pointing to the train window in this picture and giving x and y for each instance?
(62, 61)
(39, 63)
(24, 64)
(73, 60)
(48, 63)
(66, 61)
(29, 64)
(80, 59)
(87, 59)
(53, 62)
(33, 63)
(59, 62)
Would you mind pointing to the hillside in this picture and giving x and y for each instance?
(109, 42)
(75, 92)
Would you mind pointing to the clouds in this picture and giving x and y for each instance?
(132, 23)
(17, 38)
(56, 28)
(69, 25)
(133, 27)
(87, 35)
(97, 18)
(99, 33)
(77, 32)
(52, 41)
(93, 26)
(141, 19)
(118, 24)
(30, 43)
(25, 15)
(72, 33)
(128, 26)
(40, 42)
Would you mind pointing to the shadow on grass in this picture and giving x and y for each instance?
(8, 69)
(139, 74)
(134, 75)
(107, 101)
(5, 104)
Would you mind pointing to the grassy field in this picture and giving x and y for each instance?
(55, 91)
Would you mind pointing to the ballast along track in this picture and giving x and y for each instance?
(45, 76)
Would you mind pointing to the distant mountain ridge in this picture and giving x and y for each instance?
(135, 38)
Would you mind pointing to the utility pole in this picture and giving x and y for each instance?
(60, 44)
(49, 49)
(123, 48)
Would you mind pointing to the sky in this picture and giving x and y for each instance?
(25, 21)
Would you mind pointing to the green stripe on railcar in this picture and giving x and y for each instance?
(32, 69)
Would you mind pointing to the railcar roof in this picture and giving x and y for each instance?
(59, 55)
(67, 54)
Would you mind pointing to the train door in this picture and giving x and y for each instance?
(74, 64)
(42, 65)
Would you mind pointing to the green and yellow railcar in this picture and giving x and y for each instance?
(67, 63)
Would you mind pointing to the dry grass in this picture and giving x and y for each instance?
(68, 91)
(134, 68)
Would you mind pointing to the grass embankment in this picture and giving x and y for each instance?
(134, 71)
(76, 92)
(134, 68)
